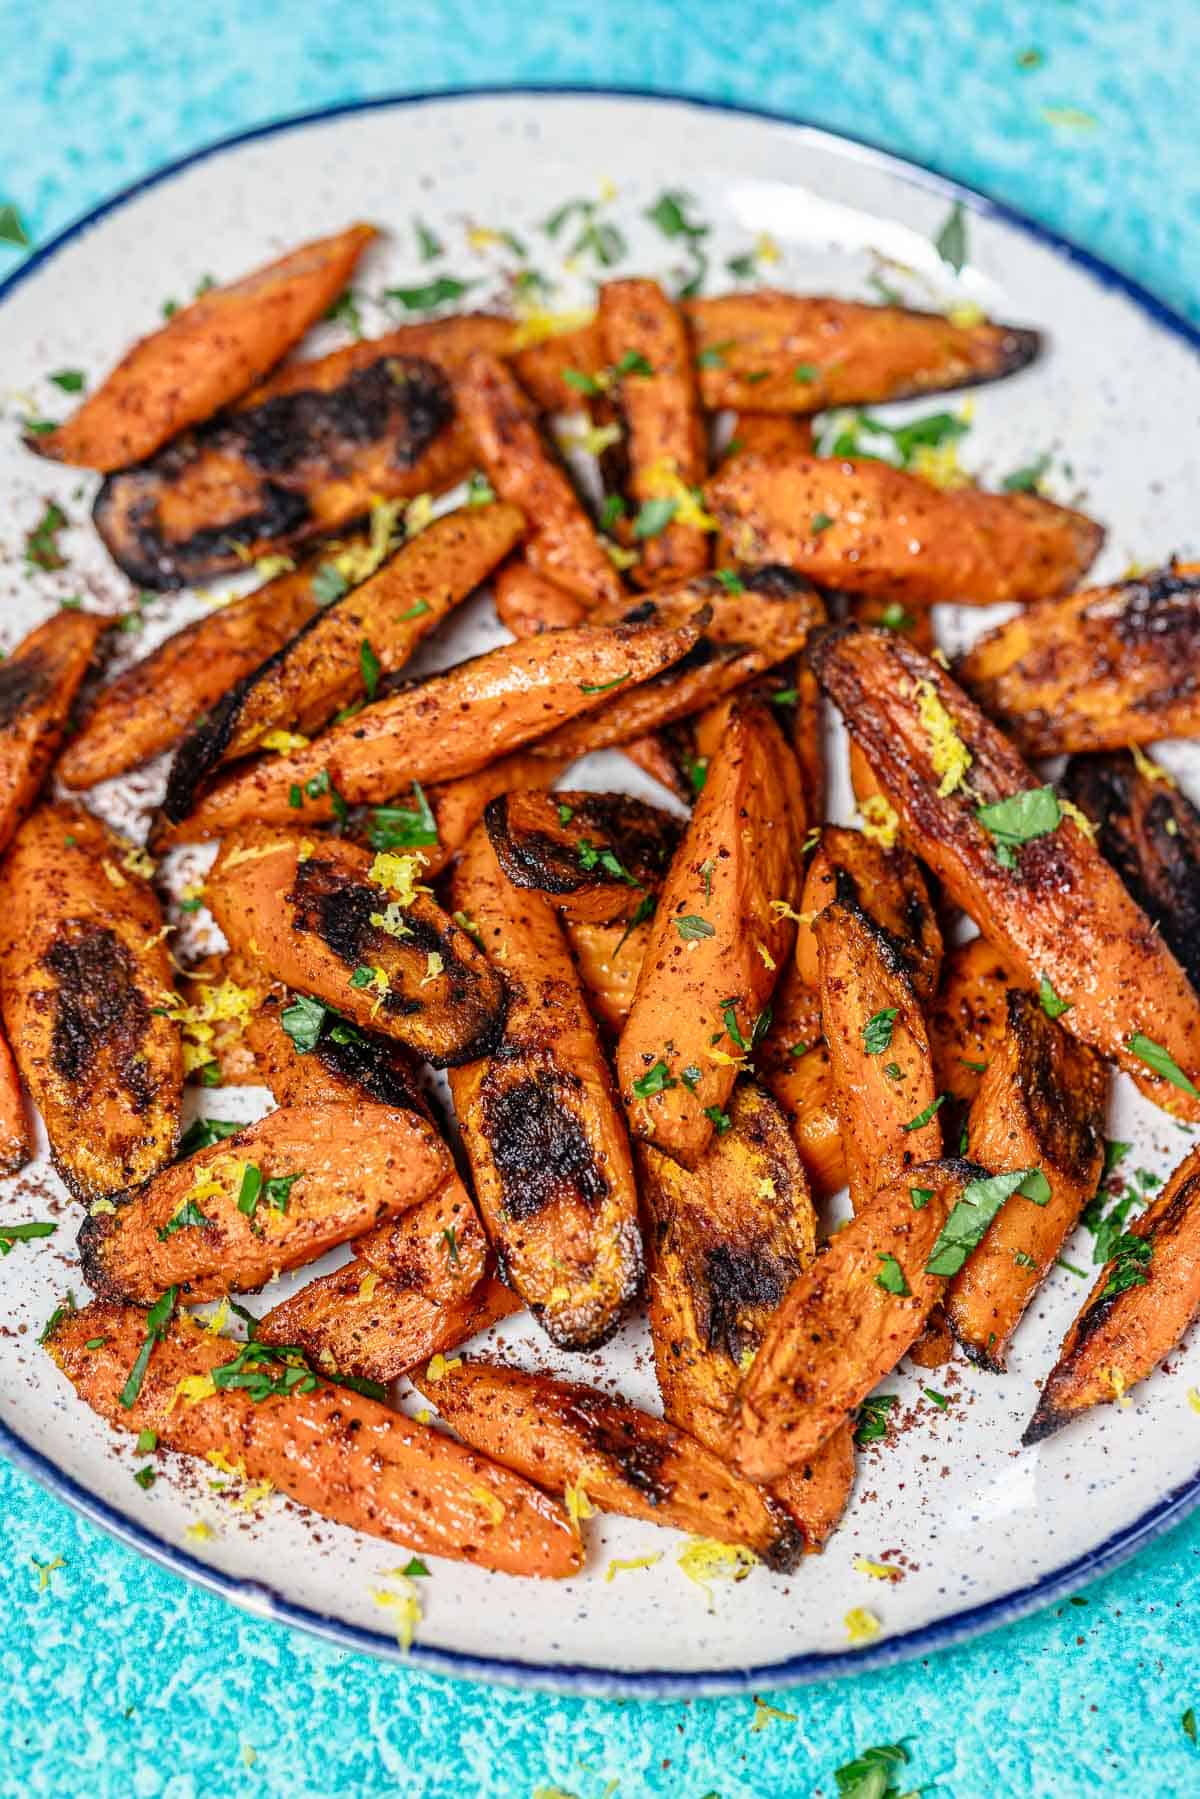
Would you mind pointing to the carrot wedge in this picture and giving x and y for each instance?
(608, 958)
(1048, 900)
(726, 1241)
(358, 1322)
(38, 685)
(603, 1452)
(338, 1452)
(882, 1069)
(449, 725)
(1146, 1298)
(895, 534)
(1098, 670)
(528, 602)
(716, 945)
(794, 1066)
(151, 705)
(968, 1017)
(457, 806)
(16, 1141)
(595, 855)
(647, 345)
(563, 544)
(779, 352)
(374, 628)
(275, 1195)
(1041, 1104)
(86, 983)
(891, 889)
(206, 355)
(301, 456)
(540, 1122)
(846, 1322)
(357, 934)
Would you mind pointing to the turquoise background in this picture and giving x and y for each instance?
(121, 1679)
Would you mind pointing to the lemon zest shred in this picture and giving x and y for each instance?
(746, 1359)
(391, 921)
(627, 1564)
(877, 1570)
(254, 1495)
(1079, 819)
(1193, 1398)
(492, 1504)
(100, 1207)
(939, 465)
(705, 1560)
(1148, 769)
(782, 909)
(221, 1461)
(439, 1366)
(662, 481)
(45, 1570)
(113, 873)
(965, 314)
(283, 741)
(619, 557)
(763, 1713)
(199, 1532)
(949, 754)
(767, 957)
(482, 237)
(424, 1415)
(267, 567)
(405, 1604)
(368, 1284)
(881, 821)
(1118, 1383)
(723, 1059)
(397, 874)
(434, 966)
(137, 862)
(249, 1754)
(419, 515)
(578, 1504)
(767, 1188)
(192, 1390)
(862, 1626)
(536, 324)
(559, 1296)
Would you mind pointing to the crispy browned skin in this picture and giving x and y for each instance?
(793, 1064)
(726, 1241)
(206, 355)
(838, 1332)
(777, 352)
(306, 913)
(1150, 832)
(739, 854)
(301, 456)
(661, 412)
(596, 855)
(890, 888)
(569, 1437)
(1117, 1339)
(449, 725)
(16, 1144)
(609, 960)
(458, 805)
(85, 975)
(1060, 911)
(540, 1122)
(523, 470)
(1041, 1104)
(38, 685)
(899, 536)
(150, 705)
(969, 1016)
(346, 1456)
(529, 602)
(880, 1094)
(357, 1322)
(747, 632)
(1098, 670)
(356, 1164)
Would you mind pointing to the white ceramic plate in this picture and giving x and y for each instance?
(984, 1530)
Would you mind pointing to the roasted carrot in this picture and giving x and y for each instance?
(602, 1452)
(152, 704)
(891, 889)
(1041, 1104)
(873, 529)
(338, 1452)
(595, 855)
(541, 366)
(528, 602)
(540, 1123)
(1097, 671)
(764, 619)
(562, 544)
(38, 685)
(16, 1143)
(206, 355)
(217, 1001)
(720, 934)
(299, 457)
(647, 345)
(360, 935)
(769, 434)
(1150, 832)
(608, 958)
(457, 806)
(794, 1066)
(86, 982)
(274, 1196)
(968, 1018)
(449, 725)
(1146, 1298)
(370, 633)
(1032, 875)
(879, 1055)
(846, 1322)
(727, 1240)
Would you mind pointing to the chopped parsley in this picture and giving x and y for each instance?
(923, 1118)
(403, 827)
(438, 292)
(23, 1233)
(147, 1442)
(691, 928)
(1161, 1062)
(895, 618)
(632, 363)
(565, 813)
(72, 381)
(302, 1021)
(451, 1242)
(720, 1121)
(1012, 822)
(873, 1417)
(429, 246)
(920, 1197)
(806, 372)
(188, 1216)
(12, 227)
(1130, 1257)
(655, 1080)
(41, 544)
(1028, 478)
(877, 1032)
(415, 1569)
(714, 356)
(250, 1190)
(480, 491)
(730, 580)
(653, 518)
(590, 858)
(605, 686)
(612, 510)
(891, 1276)
(937, 1399)
(345, 311)
(362, 976)
(56, 1317)
(820, 521)
(278, 1190)
(1052, 1005)
(146, 1477)
(370, 667)
(979, 1203)
(951, 241)
(729, 1014)
(328, 584)
(157, 1320)
(645, 910)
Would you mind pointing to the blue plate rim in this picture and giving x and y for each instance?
(586, 1681)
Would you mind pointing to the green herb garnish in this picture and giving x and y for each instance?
(877, 1032)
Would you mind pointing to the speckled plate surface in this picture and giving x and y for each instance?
(981, 1529)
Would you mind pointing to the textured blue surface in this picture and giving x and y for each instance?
(119, 1679)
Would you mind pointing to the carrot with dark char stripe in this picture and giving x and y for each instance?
(38, 685)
